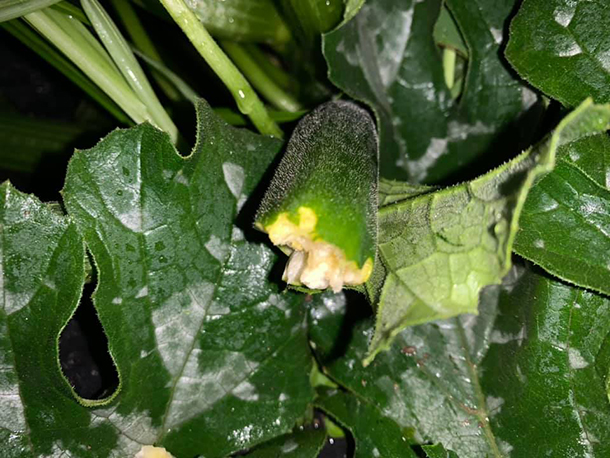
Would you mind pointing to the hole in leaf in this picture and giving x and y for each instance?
(335, 447)
(83, 351)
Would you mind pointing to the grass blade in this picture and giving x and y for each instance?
(75, 41)
(11, 9)
(117, 47)
(259, 79)
(142, 41)
(183, 88)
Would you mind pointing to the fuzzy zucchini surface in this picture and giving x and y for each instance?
(321, 205)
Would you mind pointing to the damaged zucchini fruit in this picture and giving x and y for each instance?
(321, 205)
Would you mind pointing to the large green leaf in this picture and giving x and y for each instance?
(437, 250)
(387, 57)
(525, 378)
(42, 271)
(375, 435)
(565, 224)
(195, 328)
(563, 48)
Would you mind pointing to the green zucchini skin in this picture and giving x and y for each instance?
(331, 167)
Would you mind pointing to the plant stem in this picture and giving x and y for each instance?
(277, 74)
(143, 43)
(259, 79)
(449, 56)
(245, 97)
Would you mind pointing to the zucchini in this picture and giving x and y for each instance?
(321, 205)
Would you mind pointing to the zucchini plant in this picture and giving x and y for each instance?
(306, 228)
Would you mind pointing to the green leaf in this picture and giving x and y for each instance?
(566, 217)
(438, 250)
(42, 271)
(218, 339)
(562, 48)
(387, 57)
(11, 9)
(242, 20)
(142, 41)
(438, 451)
(301, 443)
(527, 377)
(375, 435)
(194, 327)
(247, 100)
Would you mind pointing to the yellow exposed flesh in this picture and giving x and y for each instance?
(148, 451)
(314, 263)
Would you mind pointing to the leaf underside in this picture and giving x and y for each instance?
(437, 250)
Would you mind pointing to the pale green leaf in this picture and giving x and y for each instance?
(438, 250)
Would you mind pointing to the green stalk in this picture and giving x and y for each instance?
(142, 41)
(259, 79)
(236, 119)
(277, 74)
(449, 57)
(128, 65)
(245, 97)
(41, 47)
(67, 34)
